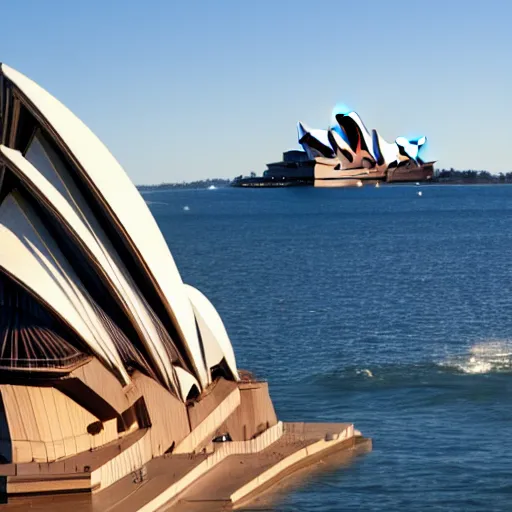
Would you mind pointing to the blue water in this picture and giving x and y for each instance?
(374, 306)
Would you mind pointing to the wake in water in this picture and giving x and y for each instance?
(154, 202)
(487, 357)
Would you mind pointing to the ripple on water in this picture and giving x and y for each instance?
(370, 306)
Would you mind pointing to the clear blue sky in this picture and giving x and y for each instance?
(180, 90)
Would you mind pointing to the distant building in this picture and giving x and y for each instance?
(295, 164)
(346, 154)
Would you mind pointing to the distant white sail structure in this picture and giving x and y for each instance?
(411, 148)
(354, 132)
(348, 148)
(386, 154)
(315, 142)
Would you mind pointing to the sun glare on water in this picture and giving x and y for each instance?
(487, 357)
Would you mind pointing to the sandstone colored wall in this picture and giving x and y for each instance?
(96, 389)
(44, 425)
(203, 432)
(209, 400)
(255, 413)
(167, 414)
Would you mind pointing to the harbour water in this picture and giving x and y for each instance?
(376, 306)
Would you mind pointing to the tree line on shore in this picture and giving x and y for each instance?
(440, 176)
(471, 176)
(215, 182)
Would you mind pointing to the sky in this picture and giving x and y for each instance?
(185, 90)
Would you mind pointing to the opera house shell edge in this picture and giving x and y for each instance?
(117, 379)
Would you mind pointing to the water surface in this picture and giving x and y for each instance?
(374, 306)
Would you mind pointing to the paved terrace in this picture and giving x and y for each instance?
(190, 483)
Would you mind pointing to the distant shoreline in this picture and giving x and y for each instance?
(200, 184)
(442, 177)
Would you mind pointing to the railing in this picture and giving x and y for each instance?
(41, 364)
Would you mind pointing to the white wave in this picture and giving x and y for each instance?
(487, 357)
(148, 202)
(365, 371)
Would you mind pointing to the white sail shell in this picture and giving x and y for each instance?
(216, 343)
(120, 198)
(50, 184)
(32, 257)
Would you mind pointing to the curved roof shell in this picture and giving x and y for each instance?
(32, 258)
(123, 206)
(56, 191)
(216, 343)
